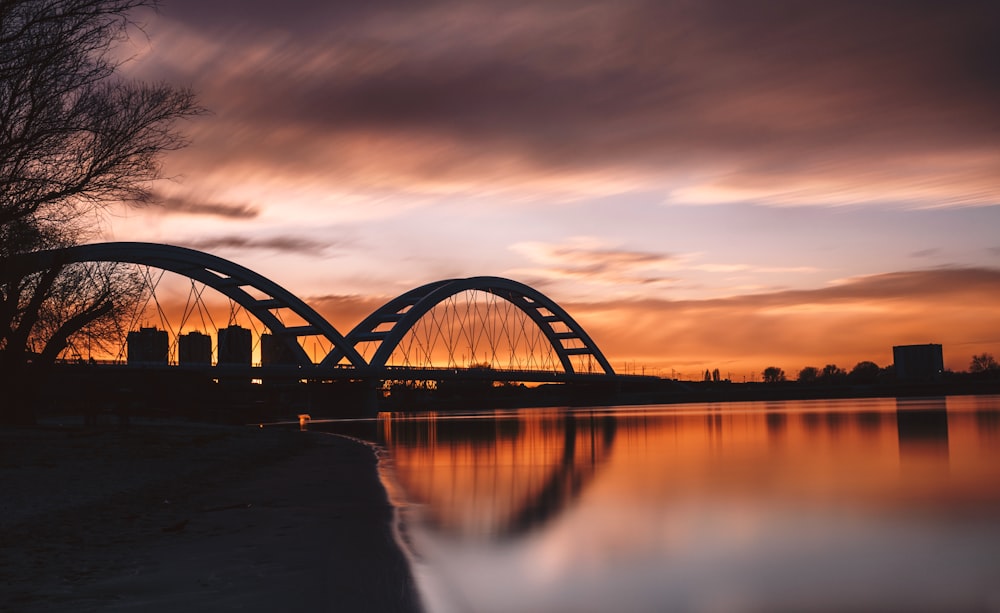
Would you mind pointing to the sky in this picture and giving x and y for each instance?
(702, 184)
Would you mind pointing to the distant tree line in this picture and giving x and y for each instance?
(867, 372)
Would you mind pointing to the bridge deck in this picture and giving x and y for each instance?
(389, 373)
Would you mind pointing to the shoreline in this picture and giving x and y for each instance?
(159, 517)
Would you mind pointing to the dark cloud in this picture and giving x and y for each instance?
(302, 16)
(288, 244)
(782, 85)
(920, 286)
(186, 206)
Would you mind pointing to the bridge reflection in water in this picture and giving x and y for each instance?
(496, 475)
(840, 505)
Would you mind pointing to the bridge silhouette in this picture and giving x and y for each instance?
(419, 335)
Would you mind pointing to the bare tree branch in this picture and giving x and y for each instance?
(75, 137)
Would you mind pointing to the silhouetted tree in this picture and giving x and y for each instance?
(983, 363)
(708, 375)
(773, 374)
(74, 135)
(85, 301)
(716, 376)
(74, 138)
(864, 372)
(809, 374)
(832, 374)
(888, 373)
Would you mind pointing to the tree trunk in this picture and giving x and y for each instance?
(58, 342)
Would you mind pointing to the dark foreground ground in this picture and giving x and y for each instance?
(189, 517)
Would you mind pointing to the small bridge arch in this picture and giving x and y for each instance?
(387, 326)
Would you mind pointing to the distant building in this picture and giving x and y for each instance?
(235, 346)
(918, 362)
(148, 346)
(274, 350)
(194, 348)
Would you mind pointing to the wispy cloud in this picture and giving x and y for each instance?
(926, 253)
(287, 244)
(592, 260)
(189, 206)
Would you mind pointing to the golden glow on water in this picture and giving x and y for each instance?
(513, 505)
(501, 474)
(476, 473)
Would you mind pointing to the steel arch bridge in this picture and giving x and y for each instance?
(385, 328)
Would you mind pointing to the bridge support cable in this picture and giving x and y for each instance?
(196, 304)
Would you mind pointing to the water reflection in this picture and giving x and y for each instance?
(923, 427)
(987, 421)
(496, 475)
(834, 505)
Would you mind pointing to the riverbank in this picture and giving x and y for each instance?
(175, 516)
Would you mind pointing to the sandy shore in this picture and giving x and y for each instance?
(174, 517)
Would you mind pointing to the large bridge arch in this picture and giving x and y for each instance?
(403, 312)
(228, 278)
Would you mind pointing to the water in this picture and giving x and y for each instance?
(863, 505)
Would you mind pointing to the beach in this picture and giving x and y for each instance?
(185, 516)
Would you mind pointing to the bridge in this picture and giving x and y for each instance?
(477, 328)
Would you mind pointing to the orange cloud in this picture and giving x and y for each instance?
(858, 319)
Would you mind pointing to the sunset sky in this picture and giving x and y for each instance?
(702, 184)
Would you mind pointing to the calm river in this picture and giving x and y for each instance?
(860, 505)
